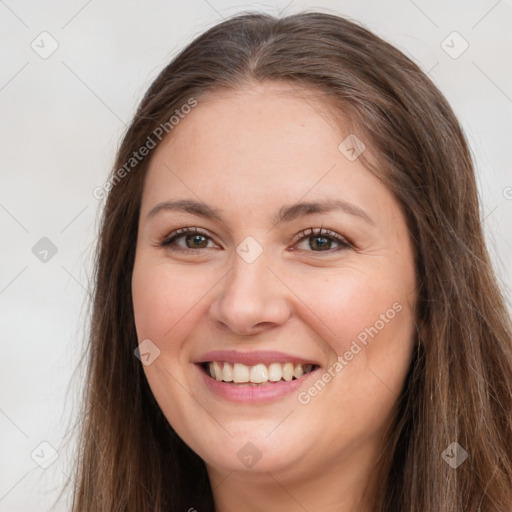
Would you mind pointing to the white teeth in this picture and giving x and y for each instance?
(217, 372)
(288, 371)
(298, 371)
(274, 372)
(240, 373)
(227, 373)
(257, 374)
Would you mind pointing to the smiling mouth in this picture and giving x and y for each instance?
(257, 375)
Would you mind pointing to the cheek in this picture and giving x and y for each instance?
(165, 298)
(166, 304)
(366, 320)
(346, 304)
(368, 323)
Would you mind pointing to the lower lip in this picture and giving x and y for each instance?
(253, 394)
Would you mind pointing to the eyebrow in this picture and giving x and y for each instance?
(287, 213)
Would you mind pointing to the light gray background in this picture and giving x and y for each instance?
(62, 118)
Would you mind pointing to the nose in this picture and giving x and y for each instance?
(250, 299)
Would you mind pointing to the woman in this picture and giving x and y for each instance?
(234, 367)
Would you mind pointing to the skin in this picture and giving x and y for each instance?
(247, 154)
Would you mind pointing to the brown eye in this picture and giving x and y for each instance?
(321, 240)
(193, 237)
(195, 241)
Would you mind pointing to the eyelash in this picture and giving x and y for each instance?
(304, 234)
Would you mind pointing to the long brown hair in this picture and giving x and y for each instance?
(459, 386)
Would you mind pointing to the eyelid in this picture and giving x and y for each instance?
(305, 233)
(167, 239)
(299, 237)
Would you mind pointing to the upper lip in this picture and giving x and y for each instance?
(252, 358)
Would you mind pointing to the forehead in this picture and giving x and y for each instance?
(258, 146)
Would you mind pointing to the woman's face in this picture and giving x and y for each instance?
(260, 299)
